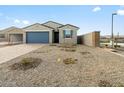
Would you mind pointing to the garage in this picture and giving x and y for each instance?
(16, 38)
(37, 37)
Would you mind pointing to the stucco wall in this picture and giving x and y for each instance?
(38, 28)
(91, 39)
(72, 40)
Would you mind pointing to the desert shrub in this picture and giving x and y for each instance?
(118, 85)
(70, 61)
(104, 83)
(26, 63)
(85, 53)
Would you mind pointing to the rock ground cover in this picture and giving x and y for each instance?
(92, 67)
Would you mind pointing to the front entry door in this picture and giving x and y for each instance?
(56, 37)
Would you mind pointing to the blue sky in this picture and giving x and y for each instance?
(87, 18)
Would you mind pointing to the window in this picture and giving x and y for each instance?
(67, 34)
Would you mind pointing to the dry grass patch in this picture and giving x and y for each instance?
(85, 53)
(104, 83)
(118, 85)
(26, 63)
(70, 61)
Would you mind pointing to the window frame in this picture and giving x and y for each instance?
(65, 33)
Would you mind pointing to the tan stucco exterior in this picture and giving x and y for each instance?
(72, 40)
(37, 28)
(49, 26)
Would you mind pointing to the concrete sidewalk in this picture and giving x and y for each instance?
(119, 54)
(10, 52)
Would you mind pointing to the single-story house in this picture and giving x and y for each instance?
(48, 32)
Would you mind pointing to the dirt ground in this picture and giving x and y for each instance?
(93, 67)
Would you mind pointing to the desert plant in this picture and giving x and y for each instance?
(26, 63)
(85, 53)
(104, 83)
(119, 85)
(70, 61)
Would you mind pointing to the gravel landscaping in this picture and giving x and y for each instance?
(78, 66)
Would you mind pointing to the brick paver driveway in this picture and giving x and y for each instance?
(10, 52)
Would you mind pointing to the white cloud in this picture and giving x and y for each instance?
(120, 12)
(96, 9)
(25, 22)
(17, 21)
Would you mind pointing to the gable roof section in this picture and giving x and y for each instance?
(47, 26)
(37, 26)
(9, 29)
(69, 25)
(52, 24)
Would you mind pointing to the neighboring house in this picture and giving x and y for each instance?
(49, 32)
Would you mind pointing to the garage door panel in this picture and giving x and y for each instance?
(37, 37)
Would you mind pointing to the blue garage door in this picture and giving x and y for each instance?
(37, 37)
